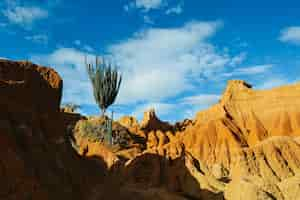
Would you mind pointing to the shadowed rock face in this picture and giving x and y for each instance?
(25, 84)
(36, 160)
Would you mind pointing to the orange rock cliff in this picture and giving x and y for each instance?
(244, 147)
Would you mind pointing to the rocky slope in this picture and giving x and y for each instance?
(248, 139)
(243, 118)
(244, 147)
(37, 160)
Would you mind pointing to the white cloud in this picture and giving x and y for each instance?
(88, 48)
(162, 63)
(42, 39)
(273, 82)
(238, 59)
(163, 6)
(24, 15)
(144, 5)
(84, 47)
(291, 35)
(70, 65)
(202, 100)
(161, 109)
(253, 70)
(148, 4)
(186, 107)
(157, 64)
(190, 105)
(175, 10)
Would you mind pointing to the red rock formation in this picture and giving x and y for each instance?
(36, 161)
(151, 122)
(234, 144)
(243, 118)
(25, 84)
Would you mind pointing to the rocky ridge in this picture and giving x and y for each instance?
(244, 147)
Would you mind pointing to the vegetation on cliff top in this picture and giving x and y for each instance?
(106, 81)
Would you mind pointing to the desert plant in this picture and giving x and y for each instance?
(96, 131)
(93, 131)
(109, 129)
(106, 83)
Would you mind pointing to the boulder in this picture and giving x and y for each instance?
(29, 86)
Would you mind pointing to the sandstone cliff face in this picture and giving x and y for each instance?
(276, 110)
(37, 162)
(269, 170)
(37, 86)
(245, 147)
(248, 139)
(243, 118)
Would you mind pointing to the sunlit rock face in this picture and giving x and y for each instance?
(243, 118)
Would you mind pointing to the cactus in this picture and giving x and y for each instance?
(109, 130)
(106, 84)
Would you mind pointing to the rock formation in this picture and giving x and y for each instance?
(243, 118)
(38, 86)
(151, 122)
(37, 162)
(247, 146)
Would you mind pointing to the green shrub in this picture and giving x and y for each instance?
(94, 132)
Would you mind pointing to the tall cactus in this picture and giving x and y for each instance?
(109, 131)
(106, 83)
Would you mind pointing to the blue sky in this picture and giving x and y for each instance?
(175, 55)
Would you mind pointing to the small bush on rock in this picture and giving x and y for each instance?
(95, 131)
